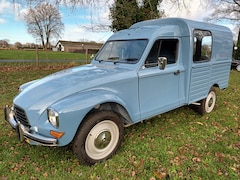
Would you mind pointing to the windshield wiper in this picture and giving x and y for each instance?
(108, 60)
(99, 60)
(116, 60)
(113, 58)
(131, 59)
(127, 61)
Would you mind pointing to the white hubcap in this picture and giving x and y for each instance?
(210, 102)
(238, 68)
(102, 139)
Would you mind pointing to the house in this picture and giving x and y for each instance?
(79, 47)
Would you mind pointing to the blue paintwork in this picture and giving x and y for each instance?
(142, 92)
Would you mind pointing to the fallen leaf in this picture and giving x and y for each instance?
(220, 173)
(170, 152)
(160, 175)
(196, 159)
(141, 162)
(152, 178)
(3, 178)
(45, 174)
(199, 123)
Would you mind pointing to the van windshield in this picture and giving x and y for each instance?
(122, 51)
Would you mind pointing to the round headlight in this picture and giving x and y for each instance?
(53, 117)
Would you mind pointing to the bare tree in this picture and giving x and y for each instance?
(226, 10)
(18, 45)
(99, 25)
(72, 3)
(44, 23)
(4, 43)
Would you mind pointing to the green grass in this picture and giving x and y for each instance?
(43, 55)
(179, 144)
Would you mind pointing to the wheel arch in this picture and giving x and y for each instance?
(215, 86)
(111, 103)
(108, 106)
(74, 110)
(115, 107)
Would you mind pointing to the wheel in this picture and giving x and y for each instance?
(238, 68)
(98, 138)
(208, 104)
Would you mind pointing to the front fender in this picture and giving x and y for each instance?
(74, 108)
(25, 85)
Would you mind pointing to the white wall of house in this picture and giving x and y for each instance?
(60, 45)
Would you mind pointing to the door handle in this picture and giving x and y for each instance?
(176, 72)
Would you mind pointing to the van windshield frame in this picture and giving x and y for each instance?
(122, 51)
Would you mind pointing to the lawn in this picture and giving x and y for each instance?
(42, 55)
(179, 144)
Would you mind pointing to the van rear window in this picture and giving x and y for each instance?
(202, 49)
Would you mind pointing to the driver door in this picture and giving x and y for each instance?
(159, 89)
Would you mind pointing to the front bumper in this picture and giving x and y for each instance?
(25, 133)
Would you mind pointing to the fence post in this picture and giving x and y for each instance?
(86, 55)
(37, 57)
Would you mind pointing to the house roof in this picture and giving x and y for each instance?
(75, 43)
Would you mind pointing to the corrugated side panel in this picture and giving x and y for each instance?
(205, 76)
(220, 74)
(199, 83)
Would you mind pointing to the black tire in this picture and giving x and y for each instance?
(208, 104)
(98, 137)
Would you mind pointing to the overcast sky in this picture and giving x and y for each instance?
(78, 22)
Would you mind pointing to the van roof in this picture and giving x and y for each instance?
(174, 27)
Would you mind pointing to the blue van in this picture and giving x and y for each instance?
(153, 67)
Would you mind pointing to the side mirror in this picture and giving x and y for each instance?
(162, 62)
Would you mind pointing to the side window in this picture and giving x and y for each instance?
(162, 48)
(202, 49)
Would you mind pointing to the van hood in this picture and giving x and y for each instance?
(40, 94)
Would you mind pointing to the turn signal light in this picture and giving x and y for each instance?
(56, 134)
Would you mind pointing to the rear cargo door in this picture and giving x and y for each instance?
(202, 65)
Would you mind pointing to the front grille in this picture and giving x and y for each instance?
(21, 116)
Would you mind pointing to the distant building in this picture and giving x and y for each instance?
(79, 47)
